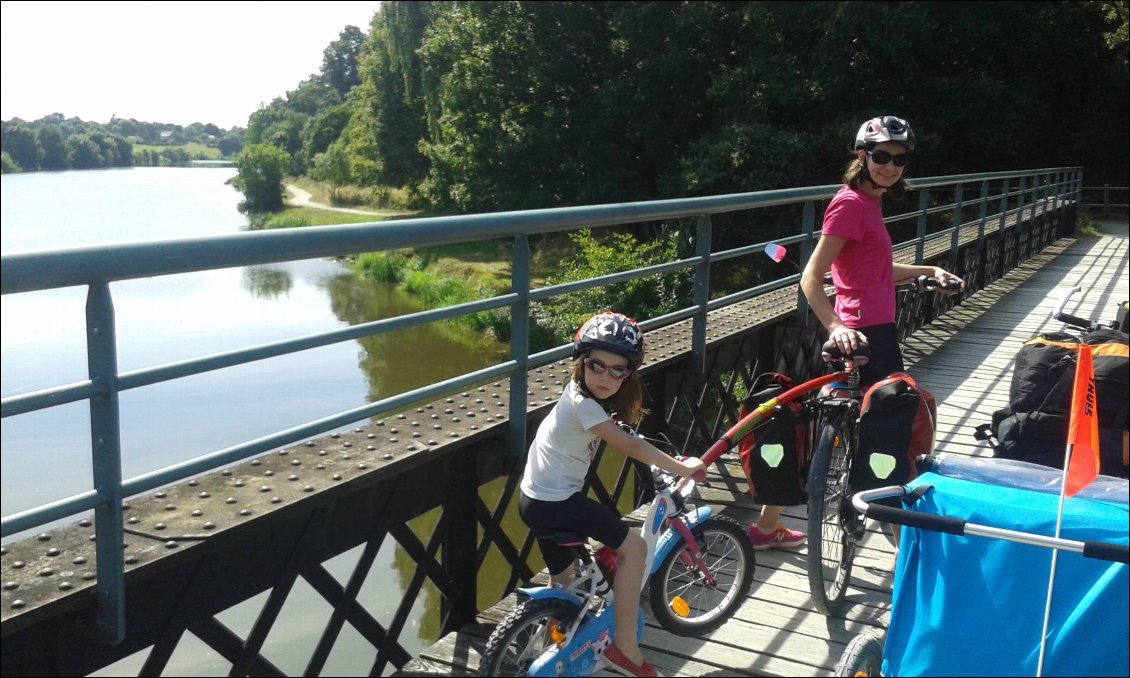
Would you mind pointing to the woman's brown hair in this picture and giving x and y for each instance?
(856, 172)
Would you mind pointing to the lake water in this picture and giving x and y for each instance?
(46, 455)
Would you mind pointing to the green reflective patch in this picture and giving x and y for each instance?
(773, 453)
(881, 464)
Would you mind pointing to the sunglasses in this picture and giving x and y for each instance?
(882, 158)
(597, 367)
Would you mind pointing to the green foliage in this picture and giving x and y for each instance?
(339, 61)
(617, 252)
(21, 143)
(261, 170)
(54, 149)
(7, 165)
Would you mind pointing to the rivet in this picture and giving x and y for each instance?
(11, 585)
(308, 488)
(256, 462)
(204, 495)
(322, 453)
(371, 436)
(245, 512)
(335, 435)
(161, 495)
(239, 483)
(44, 537)
(268, 473)
(88, 576)
(320, 466)
(18, 604)
(296, 462)
(275, 500)
(159, 526)
(46, 572)
(283, 453)
(336, 476)
(193, 483)
(292, 477)
(394, 431)
(388, 455)
(85, 522)
(171, 544)
(265, 488)
(209, 525)
(79, 560)
(229, 500)
(197, 513)
(52, 552)
(131, 560)
(170, 507)
(309, 443)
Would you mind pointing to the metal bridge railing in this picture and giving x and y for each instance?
(96, 267)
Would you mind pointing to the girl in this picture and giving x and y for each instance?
(856, 246)
(607, 352)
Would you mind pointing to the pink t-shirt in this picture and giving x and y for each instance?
(862, 272)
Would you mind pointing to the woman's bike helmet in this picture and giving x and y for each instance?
(884, 128)
(613, 332)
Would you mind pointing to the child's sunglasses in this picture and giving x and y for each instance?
(880, 157)
(597, 367)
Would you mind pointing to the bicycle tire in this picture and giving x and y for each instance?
(522, 636)
(833, 526)
(862, 657)
(726, 548)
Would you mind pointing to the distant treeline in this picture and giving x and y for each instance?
(477, 106)
(58, 143)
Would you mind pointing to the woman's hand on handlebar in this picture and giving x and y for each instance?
(943, 282)
(843, 341)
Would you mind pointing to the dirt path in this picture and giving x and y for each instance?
(302, 198)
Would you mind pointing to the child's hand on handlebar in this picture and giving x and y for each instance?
(846, 339)
(693, 468)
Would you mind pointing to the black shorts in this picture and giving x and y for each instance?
(577, 513)
(886, 357)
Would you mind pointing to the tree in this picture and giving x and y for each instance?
(21, 144)
(322, 130)
(261, 169)
(339, 60)
(332, 167)
(83, 152)
(54, 150)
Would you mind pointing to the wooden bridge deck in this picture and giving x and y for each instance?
(965, 359)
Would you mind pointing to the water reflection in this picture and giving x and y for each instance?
(265, 282)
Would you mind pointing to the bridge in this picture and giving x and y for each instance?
(169, 552)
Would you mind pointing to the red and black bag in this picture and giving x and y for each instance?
(897, 423)
(775, 455)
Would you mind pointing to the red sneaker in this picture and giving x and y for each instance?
(620, 664)
(780, 538)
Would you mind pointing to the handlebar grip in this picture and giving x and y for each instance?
(1115, 553)
(926, 521)
(1081, 323)
(929, 284)
(831, 352)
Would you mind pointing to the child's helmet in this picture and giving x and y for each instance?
(610, 331)
(884, 128)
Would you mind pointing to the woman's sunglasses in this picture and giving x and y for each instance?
(597, 367)
(882, 158)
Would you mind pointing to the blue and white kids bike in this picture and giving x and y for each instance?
(700, 568)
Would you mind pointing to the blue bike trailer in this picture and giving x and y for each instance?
(970, 605)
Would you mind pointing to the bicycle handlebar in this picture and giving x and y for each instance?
(929, 284)
(863, 503)
(1082, 323)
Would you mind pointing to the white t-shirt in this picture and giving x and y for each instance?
(563, 447)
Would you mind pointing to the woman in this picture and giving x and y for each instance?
(856, 247)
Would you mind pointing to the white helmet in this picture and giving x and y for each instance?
(884, 128)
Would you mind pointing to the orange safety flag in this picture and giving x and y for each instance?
(1083, 432)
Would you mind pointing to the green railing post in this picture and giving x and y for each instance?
(701, 296)
(1023, 232)
(1001, 239)
(106, 443)
(923, 207)
(954, 239)
(807, 224)
(519, 346)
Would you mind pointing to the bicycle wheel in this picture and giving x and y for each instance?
(862, 657)
(681, 600)
(523, 635)
(833, 526)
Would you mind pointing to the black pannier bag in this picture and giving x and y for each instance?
(775, 455)
(1033, 427)
(897, 424)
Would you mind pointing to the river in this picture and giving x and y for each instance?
(46, 455)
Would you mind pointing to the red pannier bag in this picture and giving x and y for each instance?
(897, 424)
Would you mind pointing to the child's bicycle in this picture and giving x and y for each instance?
(700, 568)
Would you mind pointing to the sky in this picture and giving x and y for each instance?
(166, 62)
